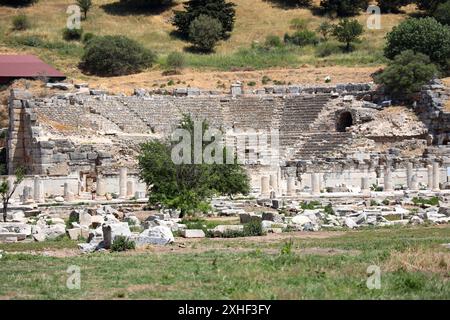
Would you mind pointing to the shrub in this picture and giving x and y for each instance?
(21, 22)
(326, 49)
(205, 32)
(253, 228)
(115, 55)
(72, 34)
(325, 28)
(392, 6)
(344, 8)
(302, 38)
(407, 73)
(176, 61)
(348, 31)
(88, 37)
(223, 11)
(18, 3)
(85, 6)
(425, 35)
(273, 41)
(122, 243)
(429, 6)
(442, 13)
(143, 4)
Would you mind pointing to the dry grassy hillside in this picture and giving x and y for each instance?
(255, 20)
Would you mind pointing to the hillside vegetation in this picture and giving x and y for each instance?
(255, 20)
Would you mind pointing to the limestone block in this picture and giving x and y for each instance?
(192, 233)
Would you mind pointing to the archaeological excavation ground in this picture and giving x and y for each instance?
(201, 161)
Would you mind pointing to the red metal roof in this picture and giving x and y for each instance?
(17, 66)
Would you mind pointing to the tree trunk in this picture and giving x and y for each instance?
(5, 210)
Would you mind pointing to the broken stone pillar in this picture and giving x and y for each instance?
(436, 176)
(265, 186)
(388, 179)
(68, 195)
(26, 194)
(409, 174)
(414, 183)
(315, 184)
(290, 186)
(101, 188)
(365, 184)
(274, 183)
(430, 177)
(130, 188)
(123, 183)
(38, 190)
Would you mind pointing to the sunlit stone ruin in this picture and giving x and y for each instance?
(344, 145)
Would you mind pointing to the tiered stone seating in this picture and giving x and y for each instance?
(299, 114)
(121, 114)
(69, 116)
(321, 145)
(250, 113)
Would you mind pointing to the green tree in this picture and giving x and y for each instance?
(144, 4)
(18, 3)
(218, 9)
(187, 186)
(344, 8)
(205, 32)
(429, 5)
(406, 74)
(348, 31)
(442, 13)
(325, 28)
(424, 35)
(115, 56)
(85, 6)
(392, 6)
(7, 192)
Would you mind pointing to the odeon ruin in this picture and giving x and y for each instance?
(333, 139)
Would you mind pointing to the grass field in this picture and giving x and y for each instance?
(320, 265)
(255, 20)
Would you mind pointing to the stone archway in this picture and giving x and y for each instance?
(344, 121)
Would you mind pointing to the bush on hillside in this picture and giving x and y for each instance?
(406, 74)
(344, 8)
(392, 6)
(302, 38)
(205, 32)
(115, 56)
(21, 22)
(17, 3)
(175, 61)
(72, 34)
(442, 13)
(221, 10)
(425, 35)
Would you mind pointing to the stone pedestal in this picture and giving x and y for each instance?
(130, 188)
(409, 174)
(290, 186)
(265, 191)
(68, 195)
(430, 177)
(123, 182)
(38, 190)
(436, 176)
(315, 183)
(388, 180)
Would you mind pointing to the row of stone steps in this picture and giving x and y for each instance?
(321, 145)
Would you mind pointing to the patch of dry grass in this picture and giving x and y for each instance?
(420, 259)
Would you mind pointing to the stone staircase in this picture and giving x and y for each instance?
(321, 145)
(299, 114)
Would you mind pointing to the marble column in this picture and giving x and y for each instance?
(130, 188)
(365, 184)
(38, 190)
(290, 186)
(388, 179)
(265, 186)
(436, 176)
(414, 183)
(409, 174)
(315, 184)
(123, 182)
(274, 183)
(101, 188)
(430, 177)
